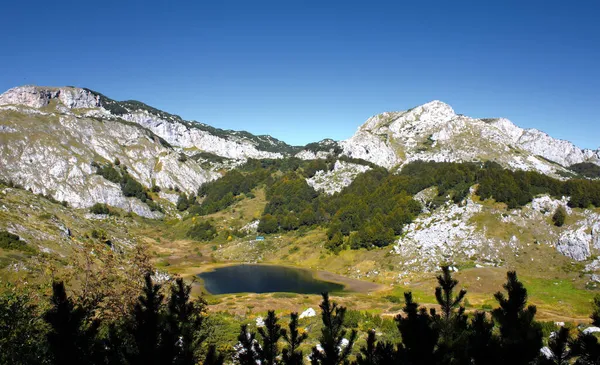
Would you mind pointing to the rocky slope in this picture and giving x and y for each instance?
(50, 136)
(487, 234)
(433, 131)
(49, 148)
(172, 128)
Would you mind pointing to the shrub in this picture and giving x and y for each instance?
(182, 203)
(586, 169)
(10, 241)
(559, 216)
(132, 187)
(108, 172)
(154, 206)
(99, 208)
(203, 231)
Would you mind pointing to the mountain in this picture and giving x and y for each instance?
(52, 135)
(433, 131)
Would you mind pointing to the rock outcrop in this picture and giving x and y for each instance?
(575, 244)
(334, 181)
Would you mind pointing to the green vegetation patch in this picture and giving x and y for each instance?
(586, 169)
(9, 241)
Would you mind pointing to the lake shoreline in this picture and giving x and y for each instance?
(350, 285)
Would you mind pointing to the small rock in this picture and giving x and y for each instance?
(260, 322)
(308, 313)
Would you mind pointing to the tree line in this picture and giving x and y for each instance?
(166, 326)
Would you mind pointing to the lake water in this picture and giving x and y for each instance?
(264, 279)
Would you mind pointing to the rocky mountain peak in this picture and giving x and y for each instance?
(433, 131)
(40, 96)
(190, 135)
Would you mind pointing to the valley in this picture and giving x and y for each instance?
(94, 192)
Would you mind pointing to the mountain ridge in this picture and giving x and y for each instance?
(387, 124)
(52, 135)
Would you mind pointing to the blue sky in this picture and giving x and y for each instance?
(306, 70)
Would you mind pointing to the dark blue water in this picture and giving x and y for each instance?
(264, 279)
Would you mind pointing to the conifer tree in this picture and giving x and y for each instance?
(482, 344)
(332, 335)
(560, 353)
(586, 347)
(71, 339)
(146, 326)
(520, 335)
(270, 335)
(559, 216)
(291, 355)
(213, 357)
(419, 336)
(184, 324)
(376, 353)
(368, 354)
(246, 352)
(452, 323)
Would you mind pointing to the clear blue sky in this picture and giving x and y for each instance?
(305, 70)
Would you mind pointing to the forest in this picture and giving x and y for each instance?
(373, 210)
(165, 325)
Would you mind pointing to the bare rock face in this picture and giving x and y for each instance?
(547, 205)
(37, 97)
(435, 132)
(179, 134)
(446, 232)
(575, 244)
(51, 152)
(53, 135)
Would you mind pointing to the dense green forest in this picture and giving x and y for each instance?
(164, 325)
(373, 210)
(586, 169)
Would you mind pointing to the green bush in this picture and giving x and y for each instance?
(154, 207)
(99, 208)
(132, 188)
(203, 231)
(9, 241)
(558, 218)
(108, 172)
(182, 203)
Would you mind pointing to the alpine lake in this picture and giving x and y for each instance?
(250, 278)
